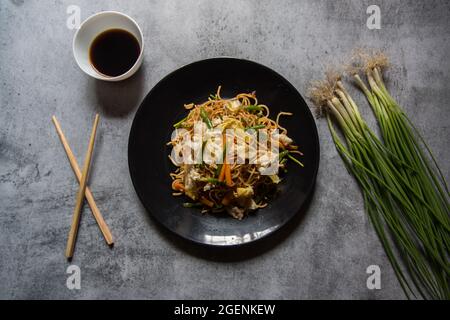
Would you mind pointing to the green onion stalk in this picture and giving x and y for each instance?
(394, 205)
(432, 224)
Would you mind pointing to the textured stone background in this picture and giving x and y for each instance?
(325, 255)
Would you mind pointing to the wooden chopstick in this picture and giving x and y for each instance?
(89, 197)
(81, 193)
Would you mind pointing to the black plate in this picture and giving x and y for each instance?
(152, 128)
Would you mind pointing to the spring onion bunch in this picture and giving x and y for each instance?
(406, 201)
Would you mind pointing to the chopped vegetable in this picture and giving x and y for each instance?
(283, 154)
(244, 192)
(228, 179)
(260, 126)
(233, 105)
(222, 172)
(177, 185)
(205, 118)
(296, 161)
(253, 108)
(275, 178)
(180, 123)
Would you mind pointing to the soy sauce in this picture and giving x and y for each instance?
(114, 52)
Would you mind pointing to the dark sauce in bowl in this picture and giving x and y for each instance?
(114, 52)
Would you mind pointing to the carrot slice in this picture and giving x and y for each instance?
(177, 185)
(228, 180)
(222, 172)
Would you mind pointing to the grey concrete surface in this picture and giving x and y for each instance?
(324, 256)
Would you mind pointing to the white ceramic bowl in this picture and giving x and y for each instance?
(91, 28)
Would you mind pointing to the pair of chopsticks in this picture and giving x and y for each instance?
(83, 191)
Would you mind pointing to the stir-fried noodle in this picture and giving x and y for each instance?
(236, 184)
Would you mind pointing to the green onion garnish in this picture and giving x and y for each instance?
(283, 154)
(179, 124)
(205, 118)
(296, 161)
(259, 126)
(251, 108)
